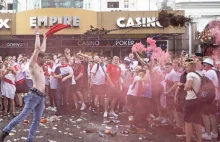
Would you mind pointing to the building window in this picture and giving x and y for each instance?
(10, 6)
(63, 4)
(113, 5)
(126, 4)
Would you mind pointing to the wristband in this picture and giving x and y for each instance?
(37, 33)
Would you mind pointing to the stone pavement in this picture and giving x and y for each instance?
(85, 127)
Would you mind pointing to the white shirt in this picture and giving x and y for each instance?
(27, 71)
(195, 85)
(99, 76)
(172, 76)
(211, 74)
(133, 63)
(132, 91)
(73, 78)
(53, 80)
(201, 72)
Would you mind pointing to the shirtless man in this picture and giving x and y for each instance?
(34, 100)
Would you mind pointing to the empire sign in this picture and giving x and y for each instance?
(52, 20)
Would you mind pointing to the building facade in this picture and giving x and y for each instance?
(124, 29)
(202, 12)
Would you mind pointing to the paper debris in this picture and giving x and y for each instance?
(54, 128)
(79, 119)
(51, 140)
(39, 137)
(17, 139)
(23, 138)
(107, 127)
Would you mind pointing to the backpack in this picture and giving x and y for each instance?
(206, 93)
(218, 75)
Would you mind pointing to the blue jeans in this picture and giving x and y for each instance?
(32, 103)
(29, 83)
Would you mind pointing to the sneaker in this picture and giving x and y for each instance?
(49, 108)
(158, 119)
(163, 121)
(3, 136)
(54, 109)
(105, 114)
(95, 112)
(205, 136)
(83, 107)
(112, 113)
(152, 116)
(214, 136)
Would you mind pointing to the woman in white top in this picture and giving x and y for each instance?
(8, 87)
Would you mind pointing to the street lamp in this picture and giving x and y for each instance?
(165, 4)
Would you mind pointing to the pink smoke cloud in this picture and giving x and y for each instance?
(157, 52)
(215, 30)
(216, 54)
(138, 47)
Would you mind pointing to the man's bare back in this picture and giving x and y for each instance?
(38, 78)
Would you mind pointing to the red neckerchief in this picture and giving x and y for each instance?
(51, 65)
(209, 69)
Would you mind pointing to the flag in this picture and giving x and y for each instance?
(55, 29)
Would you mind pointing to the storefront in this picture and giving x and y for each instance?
(127, 29)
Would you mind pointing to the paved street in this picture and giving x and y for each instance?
(82, 127)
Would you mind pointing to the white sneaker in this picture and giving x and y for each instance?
(152, 116)
(112, 113)
(54, 109)
(158, 119)
(105, 114)
(205, 136)
(49, 108)
(214, 136)
(163, 121)
(83, 107)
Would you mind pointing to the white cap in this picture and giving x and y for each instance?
(208, 61)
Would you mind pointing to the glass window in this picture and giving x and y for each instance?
(62, 3)
(10, 6)
(126, 4)
(113, 5)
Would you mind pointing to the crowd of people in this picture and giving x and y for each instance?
(116, 86)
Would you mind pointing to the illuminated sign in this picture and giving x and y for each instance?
(144, 22)
(52, 20)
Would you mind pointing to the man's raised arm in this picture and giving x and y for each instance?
(37, 49)
(43, 46)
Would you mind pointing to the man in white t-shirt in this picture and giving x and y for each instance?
(134, 94)
(192, 113)
(171, 80)
(133, 62)
(98, 79)
(209, 110)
